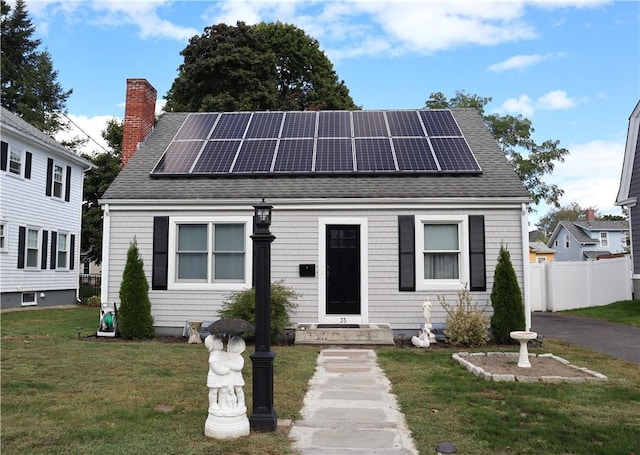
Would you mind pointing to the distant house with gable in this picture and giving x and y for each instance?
(540, 252)
(589, 240)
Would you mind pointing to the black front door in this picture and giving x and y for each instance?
(343, 269)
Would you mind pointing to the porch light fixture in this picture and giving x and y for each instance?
(445, 447)
(263, 215)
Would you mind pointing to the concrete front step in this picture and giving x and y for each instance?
(364, 335)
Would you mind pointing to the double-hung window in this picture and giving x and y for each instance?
(210, 254)
(32, 248)
(3, 237)
(15, 161)
(442, 261)
(58, 173)
(63, 250)
(604, 239)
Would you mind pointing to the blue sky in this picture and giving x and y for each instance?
(572, 67)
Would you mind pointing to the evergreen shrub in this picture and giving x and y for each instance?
(506, 299)
(242, 305)
(134, 313)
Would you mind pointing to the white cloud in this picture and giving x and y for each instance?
(555, 100)
(521, 105)
(85, 127)
(590, 174)
(518, 62)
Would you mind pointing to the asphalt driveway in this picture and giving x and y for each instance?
(617, 340)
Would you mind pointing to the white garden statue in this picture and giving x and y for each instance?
(227, 410)
(425, 338)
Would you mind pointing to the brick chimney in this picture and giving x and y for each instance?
(591, 215)
(139, 116)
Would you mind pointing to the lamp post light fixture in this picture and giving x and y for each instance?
(264, 416)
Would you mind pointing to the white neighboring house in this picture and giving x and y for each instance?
(40, 216)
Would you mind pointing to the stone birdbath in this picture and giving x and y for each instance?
(523, 337)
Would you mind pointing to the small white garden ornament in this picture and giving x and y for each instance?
(425, 338)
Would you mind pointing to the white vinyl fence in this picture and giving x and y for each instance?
(563, 285)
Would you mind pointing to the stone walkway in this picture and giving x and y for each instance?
(349, 409)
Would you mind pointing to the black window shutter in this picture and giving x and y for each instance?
(160, 252)
(4, 155)
(67, 187)
(27, 165)
(72, 252)
(49, 176)
(22, 237)
(54, 250)
(406, 250)
(43, 253)
(477, 264)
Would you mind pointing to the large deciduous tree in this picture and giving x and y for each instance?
(531, 160)
(96, 182)
(29, 85)
(268, 66)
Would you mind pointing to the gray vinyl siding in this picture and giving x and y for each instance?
(634, 212)
(296, 243)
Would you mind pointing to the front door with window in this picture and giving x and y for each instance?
(343, 270)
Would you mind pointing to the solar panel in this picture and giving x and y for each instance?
(454, 154)
(294, 156)
(404, 123)
(216, 157)
(334, 124)
(440, 123)
(255, 156)
(334, 155)
(369, 124)
(414, 154)
(231, 126)
(197, 126)
(299, 124)
(239, 143)
(265, 125)
(178, 158)
(374, 155)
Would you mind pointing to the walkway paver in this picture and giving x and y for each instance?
(349, 409)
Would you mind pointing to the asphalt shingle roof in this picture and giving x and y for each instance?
(498, 179)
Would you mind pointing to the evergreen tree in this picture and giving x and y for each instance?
(29, 85)
(134, 314)
(506, 299)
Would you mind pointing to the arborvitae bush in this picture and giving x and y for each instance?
(506, 299)
(467, 324)
(242, 305)
(134, 313)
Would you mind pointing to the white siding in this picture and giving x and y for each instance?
(296, 243)
(23, 202)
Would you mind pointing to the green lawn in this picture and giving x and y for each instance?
(64, 395)
(623, 312)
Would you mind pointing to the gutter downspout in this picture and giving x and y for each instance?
(525, 266)
(106, 240)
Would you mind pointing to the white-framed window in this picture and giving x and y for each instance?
(213, 253)
(567, 241)
(541, 260)
(15, 161)
(63, 251)
(29, 299)
(32, 250)
(442, 258)
(3, 237)
(604, 239)
(58, 179)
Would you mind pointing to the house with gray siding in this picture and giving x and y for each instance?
(589, 239)
(360, 245)
(629, 191)
(40, 216)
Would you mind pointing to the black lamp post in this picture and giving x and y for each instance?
(264, 416)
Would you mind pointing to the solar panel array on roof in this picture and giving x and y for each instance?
(325, 142)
